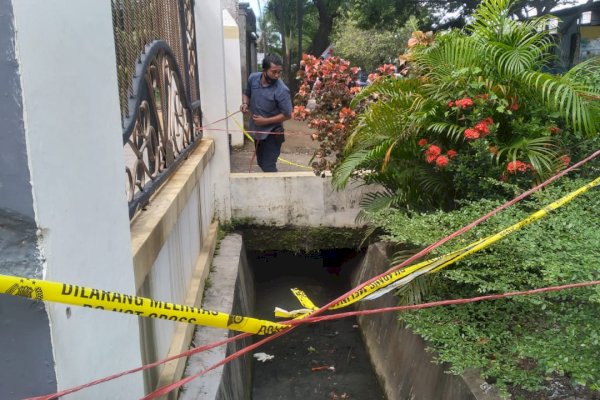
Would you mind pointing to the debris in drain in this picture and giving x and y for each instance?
(264, 357)
(334, 396)
(323, 368)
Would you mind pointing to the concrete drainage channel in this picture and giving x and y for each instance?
(372, 358)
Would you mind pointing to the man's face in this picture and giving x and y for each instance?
(274, 71)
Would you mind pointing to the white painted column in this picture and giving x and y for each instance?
(233, 66)
(211, 71)
(73, 131)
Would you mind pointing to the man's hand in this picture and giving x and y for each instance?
(244, 108)
(260, 121)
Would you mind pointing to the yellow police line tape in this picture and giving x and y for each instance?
(141, 306)
(283, 160)
(144, 307)
(401, 277)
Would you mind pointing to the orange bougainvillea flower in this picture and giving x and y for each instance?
(387, 69)
(300, 112)
(373, 77)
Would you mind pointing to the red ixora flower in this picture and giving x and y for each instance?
(464, 102)
(451, 153)
(554, 130)
(432, 153)
(433, 150)
(471, 133)
(565, 160)
(482, 127)
(488, 120)
(441, 161)
(422, 142)
(518, 166)
(450, 104)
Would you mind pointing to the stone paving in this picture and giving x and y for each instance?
(298, 148)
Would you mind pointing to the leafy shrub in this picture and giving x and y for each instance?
(477, 105)
(522, 341)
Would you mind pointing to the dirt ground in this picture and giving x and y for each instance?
(322, 361)
(298, 149)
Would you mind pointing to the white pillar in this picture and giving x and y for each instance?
(233, 66)
(211, 71)
(73, 131)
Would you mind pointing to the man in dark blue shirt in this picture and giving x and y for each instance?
(267, 99)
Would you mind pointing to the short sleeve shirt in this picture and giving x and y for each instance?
(267, 101)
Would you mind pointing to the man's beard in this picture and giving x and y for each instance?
(268, 79)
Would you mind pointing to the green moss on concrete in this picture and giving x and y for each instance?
(299, 239)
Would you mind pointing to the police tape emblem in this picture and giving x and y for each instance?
(26, 291)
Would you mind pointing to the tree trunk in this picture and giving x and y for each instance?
(300, 22)
(321, 39)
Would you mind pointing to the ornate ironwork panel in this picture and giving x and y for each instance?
(158, 88)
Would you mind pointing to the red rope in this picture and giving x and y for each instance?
(167, 388)
(446, 302)
(142, 368)
(416, 256)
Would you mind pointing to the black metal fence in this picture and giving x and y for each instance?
(155, 43)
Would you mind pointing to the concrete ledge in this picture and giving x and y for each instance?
(231, 291)
(173, 371)
(398, 355)
(151, 228)
(294, 198)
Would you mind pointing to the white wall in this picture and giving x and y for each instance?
(211, 73)
(233, 66)
(170, 275)
(295, 198)
(73, 130)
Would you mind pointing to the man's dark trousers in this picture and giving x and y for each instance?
(268, 150)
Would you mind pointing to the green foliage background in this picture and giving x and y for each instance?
(368, 48)
(523, 340)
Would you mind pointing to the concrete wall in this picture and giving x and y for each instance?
(398, 356)
(168, 239)
(73, 127)
(231, 291)
(294, 198)
(231, 35)
(213, 93)
(15, 189)
(26, 360)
